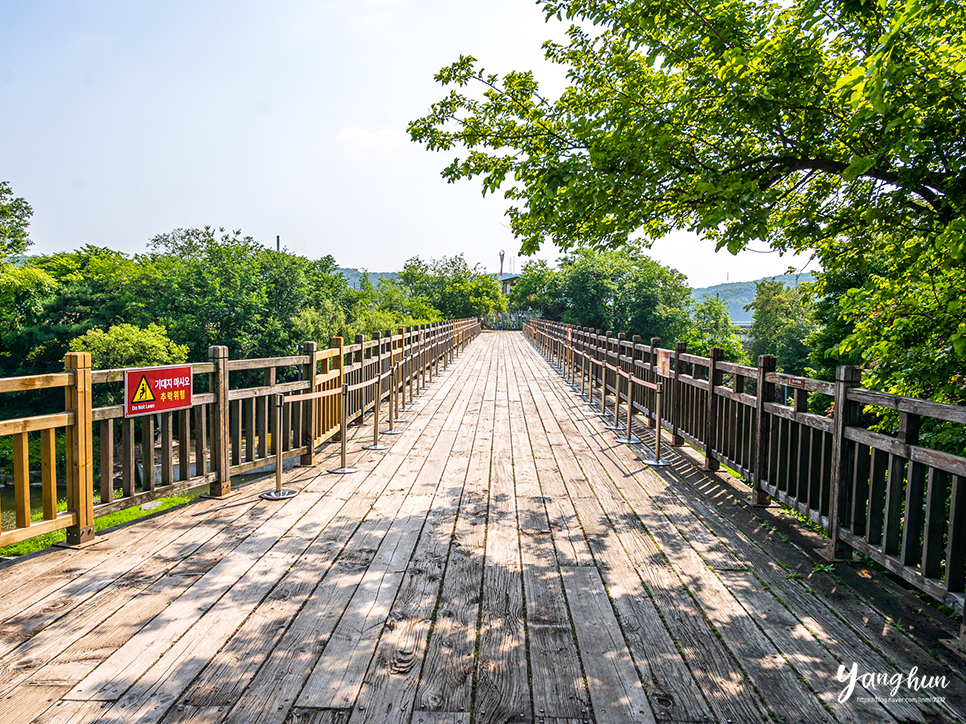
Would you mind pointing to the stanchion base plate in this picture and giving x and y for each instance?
(399, 420)
(656, 463)
(628, 440)
(391, 432)
(618, 428)
(605, 414)
(277, 495)
(406, 409)
(378, 446)
(344, 471)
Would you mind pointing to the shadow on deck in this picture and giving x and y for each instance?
(505, 559)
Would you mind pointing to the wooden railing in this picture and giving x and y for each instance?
(230, 430)
(901, 504)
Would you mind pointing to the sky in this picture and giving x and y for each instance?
(126, 119)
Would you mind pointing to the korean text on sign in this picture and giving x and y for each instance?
(156, 389)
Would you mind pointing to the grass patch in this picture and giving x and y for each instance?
(105, 521)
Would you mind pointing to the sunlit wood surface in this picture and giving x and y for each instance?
(504, 560)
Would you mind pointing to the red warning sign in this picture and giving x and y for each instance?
(156, 389)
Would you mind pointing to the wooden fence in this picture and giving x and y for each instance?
(230, 430)
(901, 504)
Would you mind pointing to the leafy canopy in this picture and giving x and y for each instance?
(797, 123)
(782, 323)
(15, 216)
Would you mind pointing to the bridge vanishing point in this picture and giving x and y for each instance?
(504, 560)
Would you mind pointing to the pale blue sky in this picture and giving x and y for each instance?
(124, 119)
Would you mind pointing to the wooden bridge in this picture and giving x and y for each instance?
(504, 560)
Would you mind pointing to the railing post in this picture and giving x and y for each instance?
(80, 449)
(715, 355)
(218, 355)
(765, 391)
(845, 414)
(676, 391)
(311, 350)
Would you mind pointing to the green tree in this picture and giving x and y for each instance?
(23, 292)
(126, 345)
(713, 328)
(15, 216)
(782, 323)
(833, 128)
(786, 122)
(454, 288)
(624, 291)
(537, 291)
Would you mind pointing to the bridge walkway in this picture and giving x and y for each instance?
(505, 559)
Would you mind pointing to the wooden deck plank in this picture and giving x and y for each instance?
(816, 614)
(389, 690)
(446, 682)
(615, 688)
(668, 682)
(282, 677)
(672, 684)
(337, 676)
(557, 679)
(21, 663)
(609, 453)
(502, 683)
(502, 557)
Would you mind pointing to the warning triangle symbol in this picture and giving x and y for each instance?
(143, 392)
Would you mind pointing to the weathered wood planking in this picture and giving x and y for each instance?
(502, 689)
(615, 688)
(712, 665)
(666, 609)
(284, 673)
(657, 490)
(674, 694)
(557, 680)
(446, 683)
(389, 691)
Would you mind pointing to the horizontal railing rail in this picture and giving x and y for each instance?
(889, 497)
(110, 462)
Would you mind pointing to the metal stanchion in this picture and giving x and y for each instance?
(392, 401)
(403, 376)
(629, 438)
(343, 433)
(604, 412)
(396, 387)
(657, 462)
(279, 493)
(616, 426)
(375, 444)
(590, 381)
(583, 365)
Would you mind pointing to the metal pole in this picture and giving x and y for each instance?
(629, 438)
(657, 462)
(403, 376)
(375, 444)
(604, 412)
(617, 402)
(278, 493)
(397, 385)
(345, 468)
(392, 402)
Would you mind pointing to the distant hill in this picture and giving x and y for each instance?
(354, 275)
(736, 295)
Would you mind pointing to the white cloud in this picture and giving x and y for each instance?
(388, 139)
